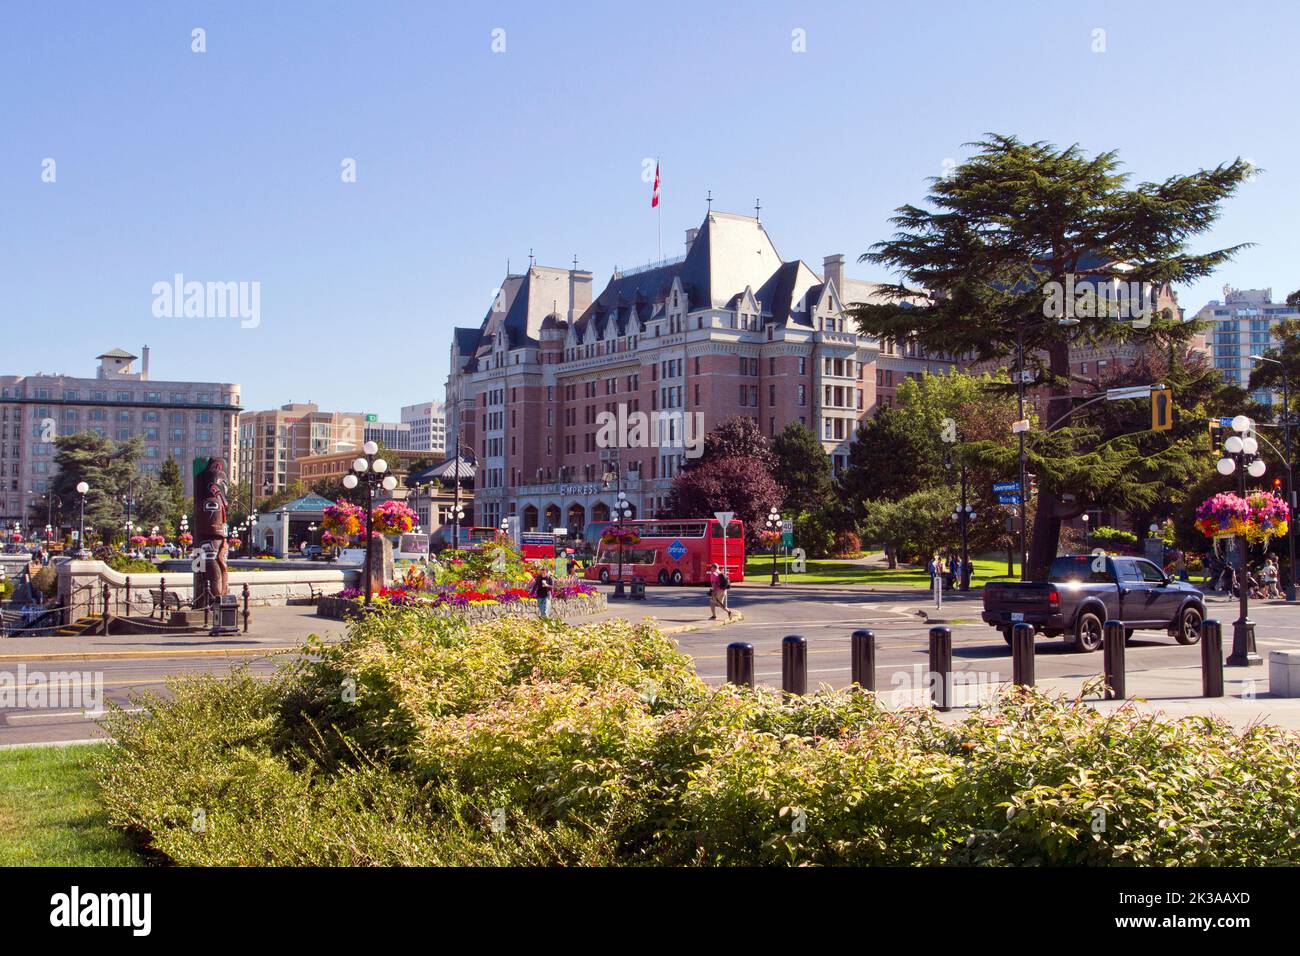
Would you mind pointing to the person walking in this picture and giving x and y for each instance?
(719, 585)
(1268, 576)
(932, 567)
(543, 587)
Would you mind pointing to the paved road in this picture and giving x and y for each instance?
(825, 619)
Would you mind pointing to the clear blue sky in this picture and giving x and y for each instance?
(226, 165)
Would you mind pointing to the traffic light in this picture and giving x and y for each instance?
(1216, 426)
(1277, 485)
(1162, 409)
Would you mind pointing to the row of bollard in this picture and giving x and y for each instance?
(862, 661)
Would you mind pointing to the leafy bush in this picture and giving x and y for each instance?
(847, 545)
(419, 741)
(1113, 536)
(128, 565)
(46, 581)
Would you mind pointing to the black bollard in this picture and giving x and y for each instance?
(1211, 659)
(794, 664)
(740, 663)
(1112, 654)
(1022, 655)
(862, 659)
(941, 667)
(245, 608)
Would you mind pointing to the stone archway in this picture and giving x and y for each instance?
(577, 520)
(552, 517)
(529, 518)
(600, 511)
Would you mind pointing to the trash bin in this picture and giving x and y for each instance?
(228, 614)
(638, 589)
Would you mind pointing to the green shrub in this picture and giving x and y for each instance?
(1112, 536)
(124, 564)
(46, 581)
(418, 740)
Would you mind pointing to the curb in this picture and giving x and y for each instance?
(702, 625)
(142, 655)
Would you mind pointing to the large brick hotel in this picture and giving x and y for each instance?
(729, 328)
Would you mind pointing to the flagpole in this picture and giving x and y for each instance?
(659, 176)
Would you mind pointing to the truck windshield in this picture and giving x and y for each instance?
(1080, 567)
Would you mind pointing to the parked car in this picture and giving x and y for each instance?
(1083, 591)
(312, 552)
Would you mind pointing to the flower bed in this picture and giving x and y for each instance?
(569, 601)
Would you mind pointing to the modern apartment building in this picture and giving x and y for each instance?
(271, 442)
(428, 423)
(178, 419)
(729, 328)
(398, 436)
(1242, 325)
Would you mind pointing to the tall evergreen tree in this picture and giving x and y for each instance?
(803, 468)
(1007, 231)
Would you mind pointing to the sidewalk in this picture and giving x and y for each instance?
(274, 630)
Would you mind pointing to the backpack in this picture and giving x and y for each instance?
(724, 582)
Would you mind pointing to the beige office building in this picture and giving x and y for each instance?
(272, 441)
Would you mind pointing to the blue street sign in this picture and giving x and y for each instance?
(1006, 487)
(1225, 422)
(676, 550)
(1008, 499)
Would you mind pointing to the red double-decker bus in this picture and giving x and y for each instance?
(674, 551)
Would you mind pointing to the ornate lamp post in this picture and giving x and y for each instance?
(622, 512)
(1242, 458)
(82, 490)
(964, 515)
(773, 524)
(185, 529)
(457, 516)
(370, 470)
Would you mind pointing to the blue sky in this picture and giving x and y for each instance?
(225, 165)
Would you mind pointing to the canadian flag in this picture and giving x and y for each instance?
(654, 198)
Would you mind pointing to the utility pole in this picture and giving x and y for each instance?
(1020, 395)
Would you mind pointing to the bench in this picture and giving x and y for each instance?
(164, 601)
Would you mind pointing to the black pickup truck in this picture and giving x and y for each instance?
(1084, 591)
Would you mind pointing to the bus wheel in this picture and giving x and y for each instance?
(663, 577)
(677, 577)
(604, 575)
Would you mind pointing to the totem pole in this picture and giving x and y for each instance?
(209, 523)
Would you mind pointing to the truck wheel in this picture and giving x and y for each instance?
(1006, 635)
(1087, 632)
(678, 577)
(1189, 626)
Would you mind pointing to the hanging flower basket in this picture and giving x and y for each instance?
(1257, 517)
(614, 535)
(138, 540)
(345, 520)
(393, 517)
(186, 538)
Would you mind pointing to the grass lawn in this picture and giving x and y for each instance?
(832, 571)
(50, 813)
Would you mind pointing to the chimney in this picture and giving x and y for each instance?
(691, 236)
(144, 364)
(833, 271)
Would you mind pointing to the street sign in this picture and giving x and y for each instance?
(1020, 426)
(1006, 487)
(787, 540)
(787, 526)
(724, 517)
(1008, 499)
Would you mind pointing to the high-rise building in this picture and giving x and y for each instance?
(395, 435)
(428, 422)
(547, 393)
(272, 441)
(1244, 324)
(177, 419)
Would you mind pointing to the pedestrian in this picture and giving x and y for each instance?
(719, 585)
(543, 586)
(1269, 577)
(932, 568)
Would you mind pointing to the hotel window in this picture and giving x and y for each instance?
(744, 395)
(123, 396)
(803, 395)
(753, 366)
(771, 366)
(803, 365)
(771, 395)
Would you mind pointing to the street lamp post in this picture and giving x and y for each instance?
(774, 525)
(1290, 485)
(1242, 458)
(1020, 398)
(622, 512)
(370, 470)
(82, 490)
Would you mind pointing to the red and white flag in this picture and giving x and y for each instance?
(654, 198)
